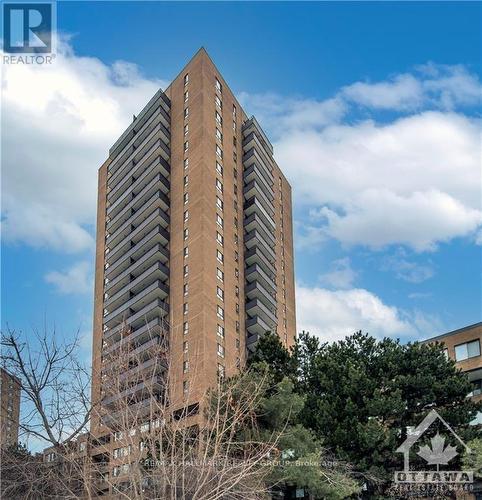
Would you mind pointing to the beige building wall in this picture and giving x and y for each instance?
(10, 392)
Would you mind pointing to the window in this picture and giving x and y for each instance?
(186, 215)
(186, 180)
(220, 370)
(219, 135)
(186, 113)
(219, 202)
(237, 308)
(185, 328)
(236, 256)
(220, 312)
(218, 86)
(185, 308)
(185, 346)
(145, 427)
(219, 185)
(220, 293)
(476, 387)
(219, 238)
(236, 239)
(234, 141)
(186, 96)
(235, 173)
(220, 331)
(186, 146)
(219, 151)
(186, 78)
(185, 387)
(219, 274)
(82, 446)
(234, 110)
(236, 290)
(219, 256)
(186, 198)
(186, 270)
(186, 251)
(235, 156)
(186, 162)
(186, 129)
(185, 288)
(186, 233)
(234, 126)
(219, 168)
(467, 350)
(185, 366)
(220, 351)
(237, 344)
(237, 326)
(116, 471)
(218, 101)
(236, 273)
(219, 118)
(118, 435)
(219, 220)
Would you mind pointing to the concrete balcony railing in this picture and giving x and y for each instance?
(254, 205)
(255, 290)
(136, 203)
(156, 309)
(150, 261)
(256, 256)
(117, 261)
(256, 308)
(140, 391)
(152, 159)
(255, 190)
(136, 219)
(146, 132)
(138, 190)
(159, 100)
(134, 305)
(154, 141)
(256, 326)
(252, 126)
(153, 273)
(254, 221)
(141, 231)
(255, 173)
(257, 239)
(256, 273)
(253, 157)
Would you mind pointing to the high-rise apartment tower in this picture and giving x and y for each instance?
(194, 231)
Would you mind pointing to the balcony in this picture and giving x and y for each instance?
(255, 290)
(136, 202)
(252, 126)
(256, 173)
(136, 411)
(256, 273)
(153, 144)
(150, 261)
(139, 233)
(256, 308)
(136, 285)
(256, 239)
(139, 391)
(145, 183)
(156, 309)
(255, 205)
(118, 261)
(255, 189)
(152, 127)
(254, 221)
(253, 157)
(135, 304)
(256, 326)
(256, 256)
(159, 100)
(136, 219)
(151, 161)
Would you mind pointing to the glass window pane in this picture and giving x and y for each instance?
(473, 348)
(460, 352)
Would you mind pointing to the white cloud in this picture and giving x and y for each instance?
(333, 315)
(341, 274)
(75, 280)
(414, 181)
(405, 269)
(58, 122)
(404, 92)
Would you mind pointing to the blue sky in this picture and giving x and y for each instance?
(374, 111)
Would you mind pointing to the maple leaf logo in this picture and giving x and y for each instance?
(438, 454)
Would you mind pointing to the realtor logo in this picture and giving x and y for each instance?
(436, 454)
(27, 28)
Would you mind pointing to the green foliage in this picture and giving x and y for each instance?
(473, 460)
(360, 395)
